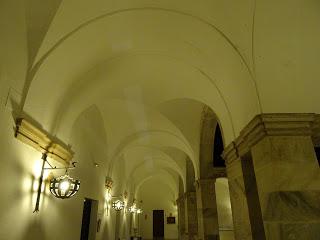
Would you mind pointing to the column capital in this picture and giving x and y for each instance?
(273, 124)
(180, 199)
(189, 194)
(205, 181)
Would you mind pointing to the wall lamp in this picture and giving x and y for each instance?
(108, 186)
(134, 209)
(118, 205)
(63, 186)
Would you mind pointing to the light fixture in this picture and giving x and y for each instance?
(61, 187)
(64, 186)
(108, 186)
(29, 133)
(132, 209)
(118, 205)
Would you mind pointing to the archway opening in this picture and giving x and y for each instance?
(218, 148)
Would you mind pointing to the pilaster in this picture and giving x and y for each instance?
(191, 215)
(272, 165)
(181, 217)
(208, 227)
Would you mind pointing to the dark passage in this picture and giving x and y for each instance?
(86, 219)
(317, 150)
(158, 224)
(218, 148)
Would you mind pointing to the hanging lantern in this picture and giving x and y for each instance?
(118, 205)
(64, 186)
(132, 209)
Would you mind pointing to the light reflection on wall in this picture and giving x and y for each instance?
(30, 182)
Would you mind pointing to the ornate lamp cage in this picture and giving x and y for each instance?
(64, 186)
(132, 209)
(118, 205)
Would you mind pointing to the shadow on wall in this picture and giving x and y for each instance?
(34, 231)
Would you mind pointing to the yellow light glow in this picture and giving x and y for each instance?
(132, 209)
(64, 186)
(37, 170)
(35, 185)
(118, 205)
(108, 196)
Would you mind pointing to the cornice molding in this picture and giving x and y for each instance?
(273, 124)
(189, 194)
(180, 199)
(204, 181)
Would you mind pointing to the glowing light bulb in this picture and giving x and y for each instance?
(108, 196)
(64, 186)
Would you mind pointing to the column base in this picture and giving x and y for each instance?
(292, 231)
(212, 237)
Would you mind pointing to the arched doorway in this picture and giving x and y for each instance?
(213, 197)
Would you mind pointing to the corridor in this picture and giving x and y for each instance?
(171, 119)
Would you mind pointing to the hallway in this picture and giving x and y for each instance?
(174, 119)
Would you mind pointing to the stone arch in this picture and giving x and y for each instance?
(208, 135)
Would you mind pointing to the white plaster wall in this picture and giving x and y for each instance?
(286, 50)
(57, 219)
(156, 196)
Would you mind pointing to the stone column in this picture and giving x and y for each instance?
(238, 197)
(191, 215)
(181, 217)
(208, 227)
(281, 175)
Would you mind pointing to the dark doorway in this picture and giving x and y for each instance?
(317, 150)
(158, 224)
(89, 219)
(218, 149)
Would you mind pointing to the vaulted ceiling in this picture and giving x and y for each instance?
(134, 76)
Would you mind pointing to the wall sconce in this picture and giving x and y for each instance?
(64, 186)
(40, 140)
(133, 208)
(108, 186)
(61, 187)
(118, 205)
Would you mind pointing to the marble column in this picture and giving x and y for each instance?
(238, 197)
(208, 227)
(281, 175)
(181, 217)
(191, 215)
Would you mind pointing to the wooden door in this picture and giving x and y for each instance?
(158, 224)
(89, 219)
